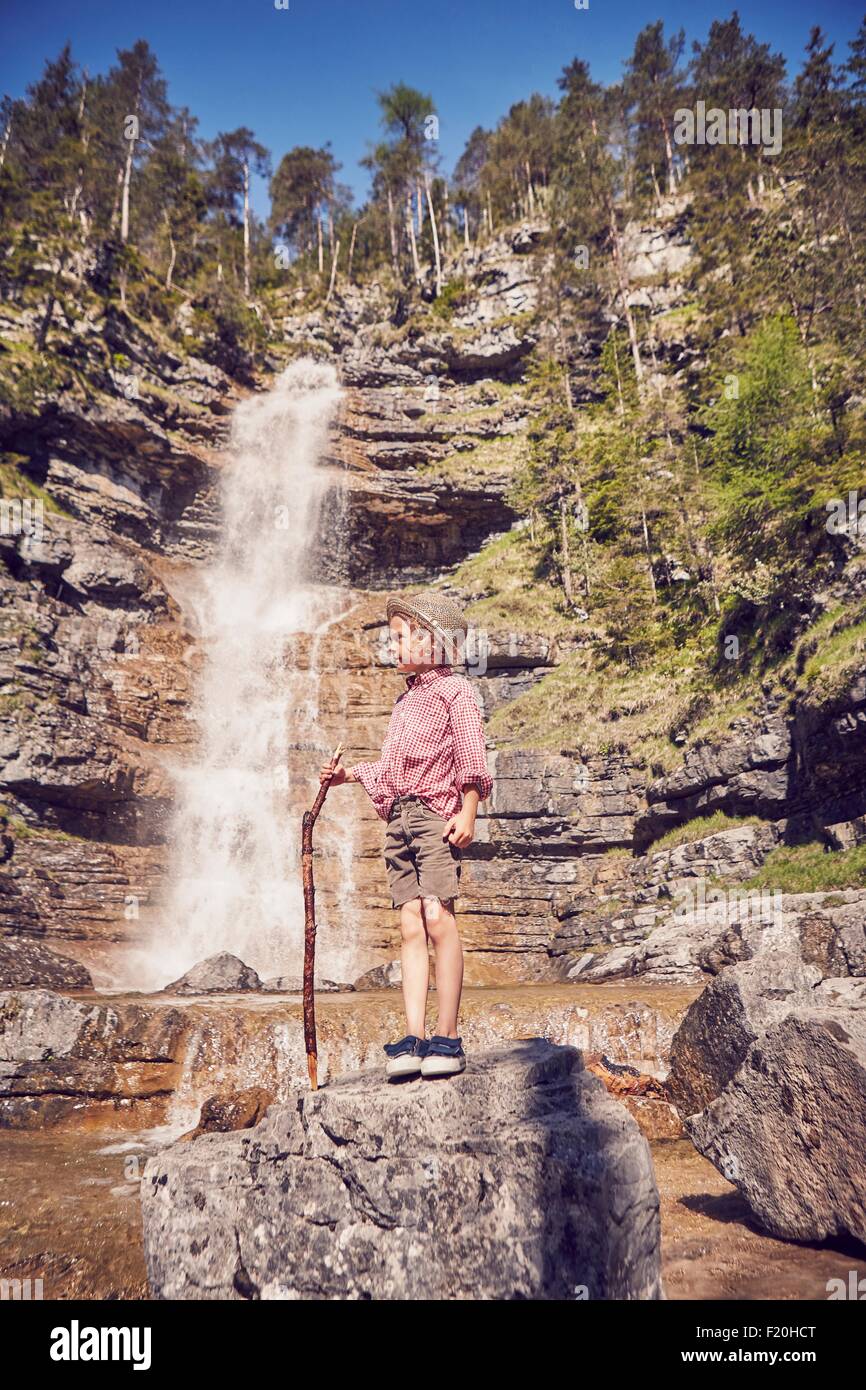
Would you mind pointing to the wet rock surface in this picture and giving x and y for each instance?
(132, 1060)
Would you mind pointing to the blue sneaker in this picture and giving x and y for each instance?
(445, 1056)
(405, 1056)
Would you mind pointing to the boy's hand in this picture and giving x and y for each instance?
(461, 828)
(338, 776)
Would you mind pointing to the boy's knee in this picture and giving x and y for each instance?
(436, 912)
(411, 919)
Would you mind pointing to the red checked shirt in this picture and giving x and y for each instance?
(433, 748)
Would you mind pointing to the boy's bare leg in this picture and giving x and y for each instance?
(441, 927)
(415, 963)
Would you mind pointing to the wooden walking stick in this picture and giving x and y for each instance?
(310, 921)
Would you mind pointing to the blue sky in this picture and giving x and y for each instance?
(310, 73)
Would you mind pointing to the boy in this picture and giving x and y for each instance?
(426, 786)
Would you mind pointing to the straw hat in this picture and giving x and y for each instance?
(439, 614)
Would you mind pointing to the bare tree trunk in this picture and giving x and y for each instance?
(618, 377)
(656, 184)
(392, 229)
(82, 107)
(321, 247)
(669, 154)
(623, 289)
(649, 558)
(352, 248)
(7, 132)
(173, 256)
(309, 973)
(334, 260)
(530, 191)
(124, 212)
(127, 173)
(567, 586)
(465, 227)
(490, 214)
(410, 226)
(246, 229)
(115, 211)
(436, 254)
(419, 207)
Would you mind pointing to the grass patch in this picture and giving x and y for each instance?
(811, 868)
(838, 657)
(700, 828)
(507, 590)
(454, 295)
(598, 707)
(22, 831)
(16, 485)
(504, 454)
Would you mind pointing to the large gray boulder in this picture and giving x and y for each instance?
(768, 1071)
(519, 1178)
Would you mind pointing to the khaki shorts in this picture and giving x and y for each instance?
(419, 861)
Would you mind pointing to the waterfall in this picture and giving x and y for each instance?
(235, 880)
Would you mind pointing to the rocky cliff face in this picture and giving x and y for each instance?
(99, 660)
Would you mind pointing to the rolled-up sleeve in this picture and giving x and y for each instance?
(470, 753)
(368, 775)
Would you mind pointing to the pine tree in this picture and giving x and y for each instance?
(653, 85)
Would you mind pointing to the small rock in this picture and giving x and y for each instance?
(389, 976)
(239, 1110)
(221, 974)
